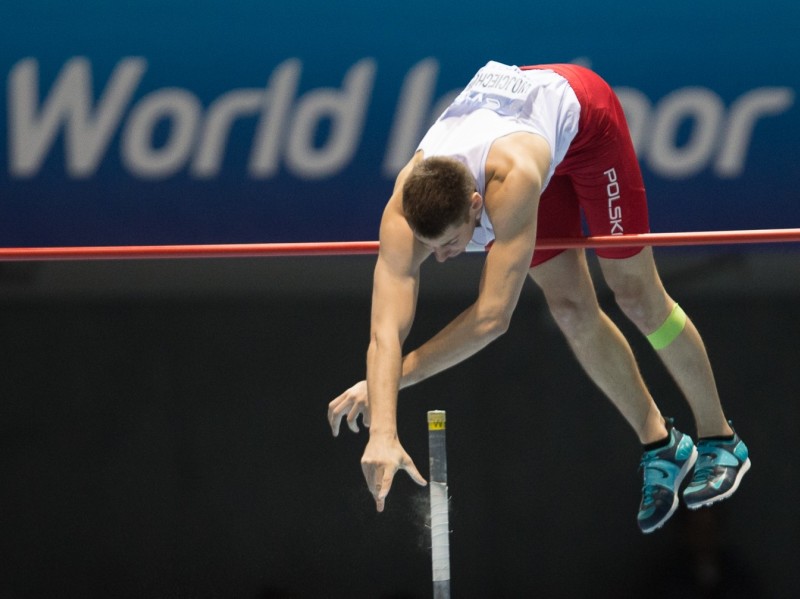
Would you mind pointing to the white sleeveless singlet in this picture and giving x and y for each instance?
(501, 100)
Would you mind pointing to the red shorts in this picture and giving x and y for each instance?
(599, 175)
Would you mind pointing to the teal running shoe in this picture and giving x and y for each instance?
(719, 470)
(664, 470)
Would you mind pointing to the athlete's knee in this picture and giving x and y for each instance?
(629, 293)
(574, 316)
(637, 288)
(643, 302)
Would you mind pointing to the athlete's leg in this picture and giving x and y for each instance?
(641, 296)
(601, 174)
(600, 348)
(607, 183)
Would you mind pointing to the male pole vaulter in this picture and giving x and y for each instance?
(520, 153)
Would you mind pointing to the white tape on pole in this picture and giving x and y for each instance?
(440, 524)
(440, 532)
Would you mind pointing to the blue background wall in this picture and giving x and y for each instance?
(193, 122)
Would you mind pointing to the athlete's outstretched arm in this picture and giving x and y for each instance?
(394, 299)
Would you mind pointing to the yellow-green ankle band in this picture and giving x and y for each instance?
(669, 331)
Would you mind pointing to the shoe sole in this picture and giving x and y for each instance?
(742, 471)
(676, 499)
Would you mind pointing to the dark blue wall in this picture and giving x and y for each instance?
(187, 122)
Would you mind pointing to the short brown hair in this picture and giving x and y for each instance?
(436, 195)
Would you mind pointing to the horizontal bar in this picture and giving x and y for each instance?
(342, 248)
(139, 252)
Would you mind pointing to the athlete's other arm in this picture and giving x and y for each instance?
(516, 170)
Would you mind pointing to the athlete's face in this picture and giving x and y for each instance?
(451, 243)
(455, 238)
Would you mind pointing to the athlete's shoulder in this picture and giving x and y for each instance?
(398, 245)
(522, 151)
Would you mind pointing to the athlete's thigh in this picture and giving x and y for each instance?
(637, 287)
(559, 216)
(566, 278)
(639, 269)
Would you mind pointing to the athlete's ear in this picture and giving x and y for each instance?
(475, 204)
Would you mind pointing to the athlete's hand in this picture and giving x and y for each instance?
(382, 458)
(352, 402)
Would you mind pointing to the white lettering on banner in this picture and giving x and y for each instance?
(744, 112)
(281, 90)
(68, 105)
(182, 110)
(346, 110)
(412, 111)
(286, 128)
(706, 110)
(287, 124)
(416, 111)
(223, 112)
(716, 136)
(279, 124)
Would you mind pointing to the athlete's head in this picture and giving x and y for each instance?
(441, 204)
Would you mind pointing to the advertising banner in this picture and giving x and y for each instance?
(237, 122)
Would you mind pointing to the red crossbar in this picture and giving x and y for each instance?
(341, 248)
